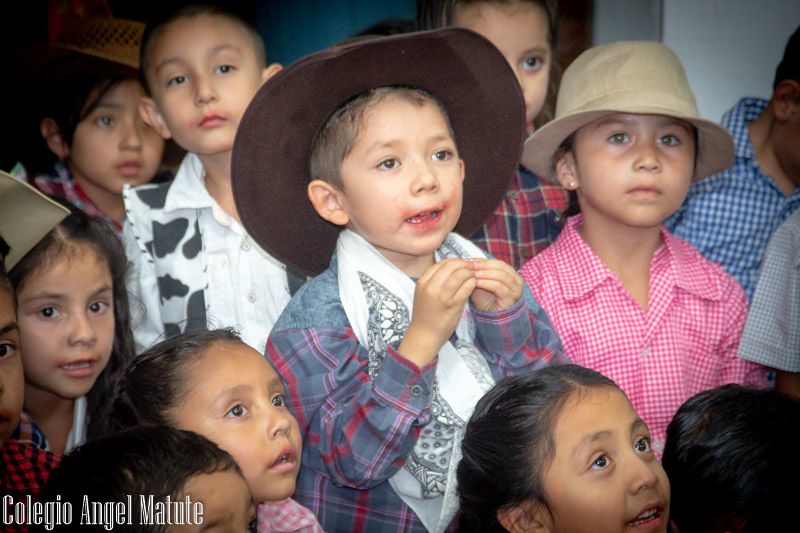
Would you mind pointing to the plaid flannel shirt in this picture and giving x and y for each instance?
(24, 470)
(730, 216)
(684, 343)
(526, 222)
(62, 185)
(357, 429)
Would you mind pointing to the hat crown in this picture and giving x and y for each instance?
(628, 77)
(112, 39)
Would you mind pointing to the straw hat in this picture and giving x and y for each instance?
(270, 162)
(626, 77)
(26, 215)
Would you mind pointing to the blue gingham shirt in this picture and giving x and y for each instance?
(730, 216)
(772, 334)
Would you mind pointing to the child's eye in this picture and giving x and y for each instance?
(279, 401)
(237, 411)
(642, 445)
(224, 69)
(388, 164)
(177, 80)
(619, 138)
(669, 140)
(105, 121)
(600, 463)
(532, 63)
(98, 307)
(48, 312)
(443, 155)
(252, 527)
(7, 349)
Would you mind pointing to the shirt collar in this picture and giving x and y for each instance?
(736, 121)
(580, 271)
(188, 190)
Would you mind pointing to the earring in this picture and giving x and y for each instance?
(570, 185)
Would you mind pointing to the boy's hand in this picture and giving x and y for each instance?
(439, 299)
(498, 286)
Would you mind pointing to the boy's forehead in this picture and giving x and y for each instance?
(185, 36)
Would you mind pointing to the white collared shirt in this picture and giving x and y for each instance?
(186, 253)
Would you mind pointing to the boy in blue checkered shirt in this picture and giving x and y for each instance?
(730, 216)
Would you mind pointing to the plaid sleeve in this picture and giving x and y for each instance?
(358, 426)
(519, 338)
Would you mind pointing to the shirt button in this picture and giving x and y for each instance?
(645, 352)
(261, 346)
(524, 252)
(559, 217)
(251, 297)
(512, 195)
(416, 390)
(246, 246)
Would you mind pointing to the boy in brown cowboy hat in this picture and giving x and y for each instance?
(387, 350)
(626, 297)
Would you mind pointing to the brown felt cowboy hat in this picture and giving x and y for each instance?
(642, 77)
(270, 164)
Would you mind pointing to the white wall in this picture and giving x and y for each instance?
(729, 48)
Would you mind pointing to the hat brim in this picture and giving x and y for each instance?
(715, 145)
(26, 215)
(270, 168)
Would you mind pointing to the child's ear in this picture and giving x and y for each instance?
(786, 100)
(150, 115)
(270, 71)
(327, 201)
(52, 136)
(525, 517)
(461, 162)
(566, 173)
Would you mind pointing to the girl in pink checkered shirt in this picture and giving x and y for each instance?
(626, 297)
(211, 383)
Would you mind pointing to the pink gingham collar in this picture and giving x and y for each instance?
(580, 271)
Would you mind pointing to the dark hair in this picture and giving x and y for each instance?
(509, 444)
(789, 67)
(68, 102)
(730, 455)
(81, 230)
(156, 27)
(5, 283)
(335, 140)
(155, 381)
(433, 14)
(142, 461)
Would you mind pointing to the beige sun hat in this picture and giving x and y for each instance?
(642, 77)
(26, 215)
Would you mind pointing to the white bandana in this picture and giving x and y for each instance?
(378, 306)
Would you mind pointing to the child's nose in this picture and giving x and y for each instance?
(132, 136)
(425, 180)
(647, 157)
(205, 90)
(278, 424)
(82, 330)
(643, 475)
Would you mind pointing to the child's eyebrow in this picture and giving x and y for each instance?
(224, 47)
(588, 439)
(11, 326)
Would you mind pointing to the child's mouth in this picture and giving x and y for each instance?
(419, 218)
(286, 460)
(78, 369)
(646, 516)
